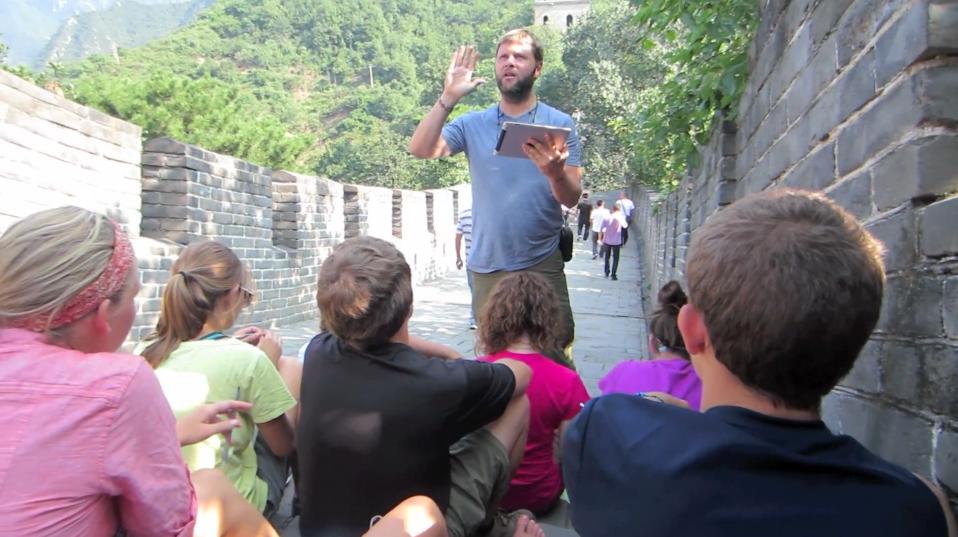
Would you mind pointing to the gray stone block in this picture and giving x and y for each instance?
(815, 172)
(897, 111)
(824, 18)
(857, 86)
(855, 194)
(921, 32)
(950, 307)
(946, 460)
(901, 371)
(895, 435)
(912, 306)
(939, 225)
(164, 145)
(865, 375)
(923, 167)
(897, 234)
(793, 61)
(938, 379)
(861, 23)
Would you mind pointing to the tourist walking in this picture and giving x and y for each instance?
(613, 227)
(585, 214)
(598, 216)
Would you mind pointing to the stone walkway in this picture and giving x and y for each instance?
(610, 323)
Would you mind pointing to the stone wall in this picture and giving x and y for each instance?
(54, 152)
(859, 99)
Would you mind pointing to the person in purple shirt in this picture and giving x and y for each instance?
(613, 225)
(670, 370)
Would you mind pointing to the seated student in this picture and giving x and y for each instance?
(197, 363)
(670, 370)
(381, 422)
(518, 323)
(89, 443)
(758, 460)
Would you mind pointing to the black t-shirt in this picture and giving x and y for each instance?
(639, 468)
(585, 211)
(375, 428)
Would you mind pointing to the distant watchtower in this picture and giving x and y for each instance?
(561, 14)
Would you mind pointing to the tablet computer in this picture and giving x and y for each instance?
(513, 135)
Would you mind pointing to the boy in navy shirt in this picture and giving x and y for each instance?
(785, 288)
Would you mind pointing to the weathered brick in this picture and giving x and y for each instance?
(950, 307)
(920, 168)
(901, 371)
(164, 145)
(939, 226)
(898, 436)
(854, 194)
(866, 373)
(824, 17)
(911, 306)
(860, 24)
(857, 86)
(815, 172)
(897, 233)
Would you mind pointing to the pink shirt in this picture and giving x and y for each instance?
(88, 442)
(555, 395)
(612, 226)
(673, 376)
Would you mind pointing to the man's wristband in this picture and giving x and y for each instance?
(446, 107)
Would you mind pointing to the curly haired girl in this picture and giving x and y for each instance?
(521, 320)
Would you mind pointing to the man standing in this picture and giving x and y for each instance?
(464, 234)
(585, 212)
(598, 216)
(627, 208)
(517, 203)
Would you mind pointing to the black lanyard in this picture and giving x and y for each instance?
(500, 115)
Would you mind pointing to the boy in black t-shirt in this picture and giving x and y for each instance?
(380, 422)
(785, 288)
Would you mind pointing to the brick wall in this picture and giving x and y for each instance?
(54, 152)
(859, 99)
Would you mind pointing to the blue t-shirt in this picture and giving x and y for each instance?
(516, 217)
(634, 467)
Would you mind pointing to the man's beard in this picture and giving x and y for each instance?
(519, 91)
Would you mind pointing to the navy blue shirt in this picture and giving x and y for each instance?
(634, 467)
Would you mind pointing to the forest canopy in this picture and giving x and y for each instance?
(336, 87)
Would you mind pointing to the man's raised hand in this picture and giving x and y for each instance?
(459, 81)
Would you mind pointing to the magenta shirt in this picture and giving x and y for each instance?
(88, 442)
(555, 395)
(673, 376)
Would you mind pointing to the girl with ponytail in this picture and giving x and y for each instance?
(197, 362)
(670, 370)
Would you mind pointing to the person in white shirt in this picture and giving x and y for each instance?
(598, 214)
(627, 208)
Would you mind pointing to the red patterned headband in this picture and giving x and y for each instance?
(109, 282)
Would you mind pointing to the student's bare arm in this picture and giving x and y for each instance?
(522, 373)
(278, 434)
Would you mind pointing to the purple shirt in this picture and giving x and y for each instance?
(612, 226)
(673, 376)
